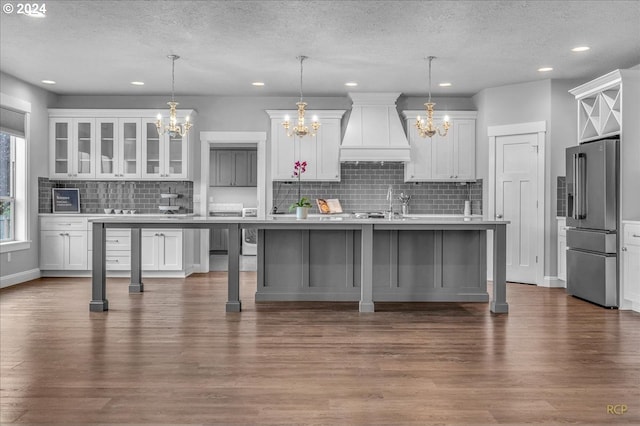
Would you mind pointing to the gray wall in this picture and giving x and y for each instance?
(545, 100)
(28, 260)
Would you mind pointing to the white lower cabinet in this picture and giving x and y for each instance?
(631, 266)
(66, 245)
(162, 250)
(562, 248)
(63, 250)
(63, 243)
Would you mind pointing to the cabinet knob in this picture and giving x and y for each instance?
(499, 216)
(624, 249)
(450, 177)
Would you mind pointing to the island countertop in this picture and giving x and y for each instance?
(201, 221)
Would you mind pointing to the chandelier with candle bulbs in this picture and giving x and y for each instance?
(428, 129)
(300, 129)
(174, 128)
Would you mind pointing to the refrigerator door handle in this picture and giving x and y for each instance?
(576, 188)
(580, 190)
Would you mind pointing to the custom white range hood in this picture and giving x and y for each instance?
(374, 131)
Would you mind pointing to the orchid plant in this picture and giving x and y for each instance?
(299, 167)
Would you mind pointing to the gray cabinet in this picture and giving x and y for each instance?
(219, 241)
(234, 167)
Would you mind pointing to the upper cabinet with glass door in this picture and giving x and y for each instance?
(119, 148)
(73, 148)
(114, 144)
(164, 156)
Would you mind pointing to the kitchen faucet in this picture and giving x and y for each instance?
(390, 198)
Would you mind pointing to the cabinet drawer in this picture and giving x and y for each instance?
(631, 235)
(119, 262)
(63, 223)
(118, 240)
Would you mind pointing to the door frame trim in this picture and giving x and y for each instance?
(539, 128)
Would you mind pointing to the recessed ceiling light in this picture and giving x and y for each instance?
(257, 83)
(138, 83)
(545, 69)
(48, 82)
(444, 84)
(351, 84)
(580, 49)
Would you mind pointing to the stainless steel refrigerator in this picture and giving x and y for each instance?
(592, 221)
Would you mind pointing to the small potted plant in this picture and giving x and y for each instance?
(303, 205)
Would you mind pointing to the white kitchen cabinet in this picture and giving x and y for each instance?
(118, 249)
(115, 144)
(162, 250)
(119, 148)
(63, 243)
(72, 154)
(234, 167)
(631, 266)
(321, 152)
(442, 158)
(562, 248)
(163, 156)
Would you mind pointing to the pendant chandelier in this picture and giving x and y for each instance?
(428, 129)
(300, 129)
(174, 128)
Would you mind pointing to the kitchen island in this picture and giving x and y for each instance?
(330, 258)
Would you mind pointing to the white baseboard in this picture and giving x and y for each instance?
(553, 282)
(20, 277)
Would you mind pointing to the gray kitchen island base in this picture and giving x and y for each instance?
(408, 265)
(340, 260)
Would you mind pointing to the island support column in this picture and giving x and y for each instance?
(99, 300)
(136, 286)
(233, 273)
(366, 265)
(499, 302)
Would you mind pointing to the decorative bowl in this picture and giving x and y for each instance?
(108, 211)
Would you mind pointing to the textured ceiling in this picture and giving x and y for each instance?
(99, 47)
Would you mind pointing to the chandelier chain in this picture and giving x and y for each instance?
(302, 58)
(430, 58)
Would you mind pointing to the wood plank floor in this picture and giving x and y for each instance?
(172, 356)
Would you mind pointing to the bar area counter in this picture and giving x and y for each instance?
(342, 258)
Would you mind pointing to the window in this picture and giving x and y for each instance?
(7, 186)
(14, 212)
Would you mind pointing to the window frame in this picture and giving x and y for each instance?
(12, 187)
(21, 212)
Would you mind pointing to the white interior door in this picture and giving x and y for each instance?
(516, 201)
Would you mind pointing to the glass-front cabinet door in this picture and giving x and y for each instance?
(73, 145)
(61, 134)
(107, 148)
(130, 147)
(176, 154)
(151, 150)
(84, 144)
(164, 156)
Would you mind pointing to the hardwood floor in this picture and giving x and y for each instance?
(173, 356)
